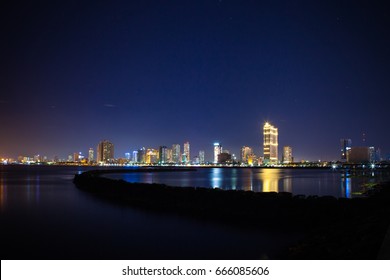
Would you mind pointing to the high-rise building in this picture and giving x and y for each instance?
(270, 144)
(105, 151)
(186, 150)
(245, 153)
(169, 155)
(90, 155)
(372, 153)
(217, 151)
(135, 156)
(184, 159)
(162, 155)
(225, 157)
(378, 155)
(287, 155)
(151, 156)
(345, 147)
(141, 155)
(195, 160)
(360, 154)
(253, 160)
(201, 157)
(176, 158)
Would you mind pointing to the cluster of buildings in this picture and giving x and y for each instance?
(174, 155)
(163, 155)
(358, 154)
(180, 155)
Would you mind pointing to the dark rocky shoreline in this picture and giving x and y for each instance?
(333, 228)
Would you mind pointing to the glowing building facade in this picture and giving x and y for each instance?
(141, 155)
(90, 155)
(201, 157)
(168, 152)
(135, 156)
(105, 151)
(186, 152)
(176, 153)
(163, 155)
(217, 151)
(287, 155)
(270, 144)
(151, 156)
(246, 152)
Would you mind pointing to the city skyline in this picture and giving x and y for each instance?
(269, 155)
(147, 73)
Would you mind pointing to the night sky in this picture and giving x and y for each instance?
(151, 73)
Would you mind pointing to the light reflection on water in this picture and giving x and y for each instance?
(270, 179)
(297, 181)
(216, 178)
(43, 215)
(42, 205)
(346, 187)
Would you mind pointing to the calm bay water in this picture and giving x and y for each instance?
(297, 181)
(44, 216)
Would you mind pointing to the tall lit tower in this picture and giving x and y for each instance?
(287, 154)
(201, 157)
(270, 144)
(90, 155)
(162, 155)
(141, 155)
(217, 151)
(135, 156)
(176, 153)
(105, 151)
(345, 146)
(245, 153)
(186, 150)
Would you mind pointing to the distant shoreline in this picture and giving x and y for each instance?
(357, 167)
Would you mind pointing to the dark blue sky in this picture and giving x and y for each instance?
(151, 73)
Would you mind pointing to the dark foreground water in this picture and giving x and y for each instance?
(44, 216)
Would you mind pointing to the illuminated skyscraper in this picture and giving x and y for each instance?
(186, 150)
(176, 153)
(151, 156)
(270, 144)
(217, 151)
(245, 153)
(201, 157)
(195, 160)
(287, 154)
(141, 155)
(135, 156)
(90, 155)
(169, 155)
(345, 147)
(105, 151)
(162, 155)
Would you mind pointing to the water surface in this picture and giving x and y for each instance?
(44, 216)
(297, 181)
